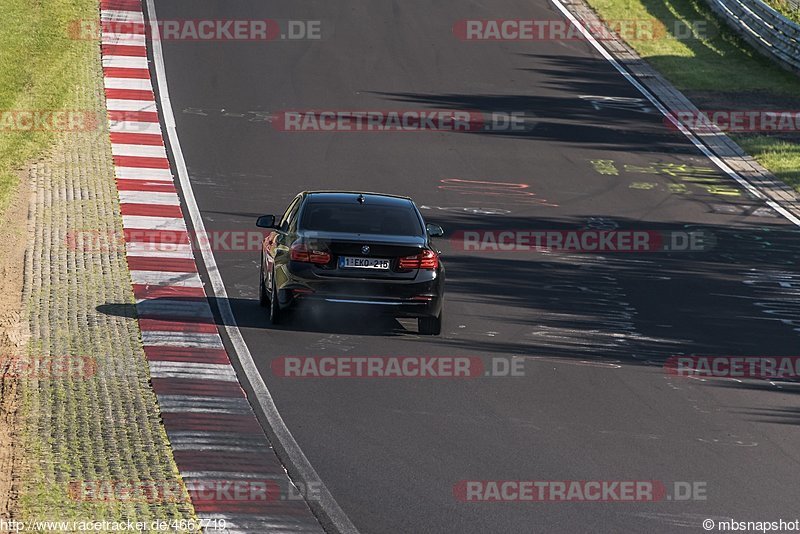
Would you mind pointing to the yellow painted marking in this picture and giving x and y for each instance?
(680, 189)
(605, 166)
(643, 185)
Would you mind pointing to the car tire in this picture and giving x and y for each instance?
(263, 298)
(274, 306)
(430, 326)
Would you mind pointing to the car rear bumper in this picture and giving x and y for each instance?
(393, 307)
(420, 296)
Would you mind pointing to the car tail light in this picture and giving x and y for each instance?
(300, 252)
(427, 259)
(300, 291)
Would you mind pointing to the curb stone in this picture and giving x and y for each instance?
(212, 428)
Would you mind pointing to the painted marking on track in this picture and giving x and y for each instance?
(584, 363)
(623, 103)
(149, 197)
(706, 178)
(182, 339)
(162, 278)
(776, 295)
(139, 173)
(147, 151)
(605, 166)
(601, 223)
(646, 186)
(750, 188)
(733, 443)
(476, 211)
(509, 191)
(136, 84)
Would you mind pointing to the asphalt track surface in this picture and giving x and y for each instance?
(593, 330)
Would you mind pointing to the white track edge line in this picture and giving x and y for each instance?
(335, 514)
(664, 111)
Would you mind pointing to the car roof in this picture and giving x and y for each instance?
(346, 197)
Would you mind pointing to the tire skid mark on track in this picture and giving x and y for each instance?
(612, 333)
(776, 295)
(773, 289)
(567, 361)
(198, 409)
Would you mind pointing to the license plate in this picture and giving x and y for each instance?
(349, 262)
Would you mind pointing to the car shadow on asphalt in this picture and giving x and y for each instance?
(306, 318)
(735, 298)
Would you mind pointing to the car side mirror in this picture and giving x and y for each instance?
(266, 221)
(434, 230)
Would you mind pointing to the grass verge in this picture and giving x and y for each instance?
(38, 65)
(788, 9)
(780, 157)
(717, 70)
(98, 426)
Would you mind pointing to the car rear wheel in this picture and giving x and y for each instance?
(430, 326)
(263, 298)
(274, 307)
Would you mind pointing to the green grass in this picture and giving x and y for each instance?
(716, 62)
(38, 63)
(785, 8)
(779, 156)
(107, 426)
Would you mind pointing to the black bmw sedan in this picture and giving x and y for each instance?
(353, 249)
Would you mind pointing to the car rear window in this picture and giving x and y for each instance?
(361, 218)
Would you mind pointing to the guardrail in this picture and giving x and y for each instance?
(764, 28)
